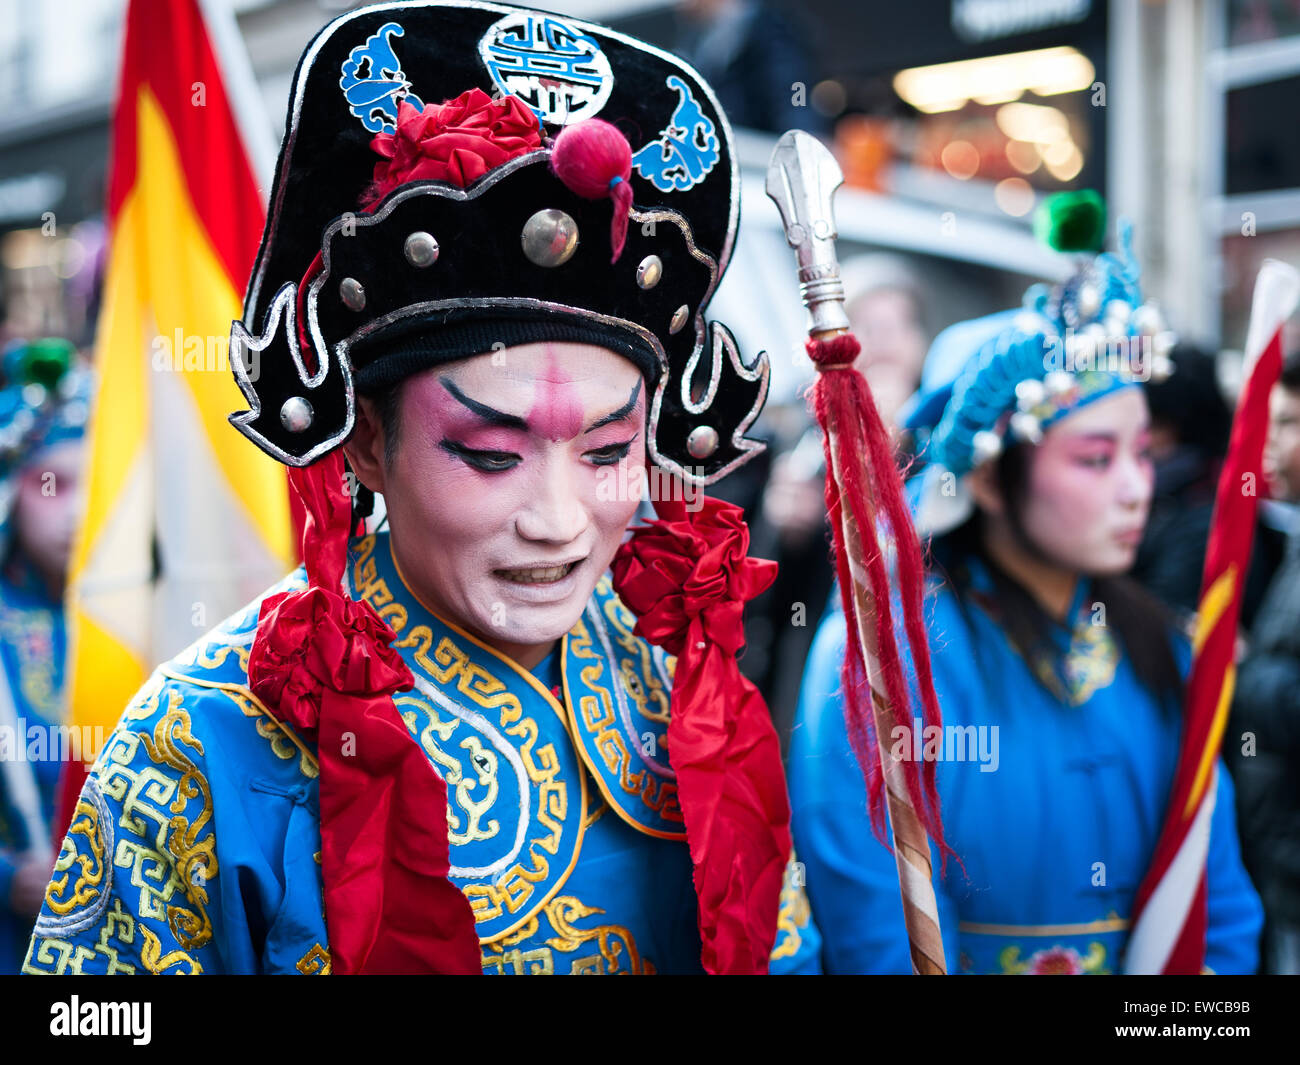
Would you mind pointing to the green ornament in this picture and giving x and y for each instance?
(46, 361)
(1072, 221)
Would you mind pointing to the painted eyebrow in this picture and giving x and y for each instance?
(1106, 437)
(489, 414)
(621, 413)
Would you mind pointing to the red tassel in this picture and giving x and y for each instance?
(865, 459)
(594, 160)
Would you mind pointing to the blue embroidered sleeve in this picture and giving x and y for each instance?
(144, 883)
(132, 885)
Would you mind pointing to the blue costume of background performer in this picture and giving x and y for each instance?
(1054, 840)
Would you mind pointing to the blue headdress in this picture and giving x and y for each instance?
(46, 401)
(1005, 378)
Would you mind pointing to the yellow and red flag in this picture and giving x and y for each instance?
(1170, 913)
(184, 521)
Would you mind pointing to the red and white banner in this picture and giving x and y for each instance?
(1170, 913)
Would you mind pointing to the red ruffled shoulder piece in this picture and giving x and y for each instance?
(687, 578)
(324, 663)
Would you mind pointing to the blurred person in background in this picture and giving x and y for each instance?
(43, 413)
(886, 308)
(1060, 681)
(1190, 423)
(754, 59)
(1263, 743)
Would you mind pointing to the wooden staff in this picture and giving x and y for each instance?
(801, 179)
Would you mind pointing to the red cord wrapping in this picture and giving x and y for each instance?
(868, 475)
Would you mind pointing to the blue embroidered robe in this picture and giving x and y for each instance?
(196, 842)
(33, 642)
(1053, 802)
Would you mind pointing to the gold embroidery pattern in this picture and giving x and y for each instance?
(275, 733)
(316, 962)
(155, 838)
(92, 871)
(650, 695)
(463, 777)
(615, 951)
(1089, 666)
(511, 898)
(596, 720)
(794, 912)
(113, 952)
(168, 846)
(158, 963)
(284, 742)
(213, 655)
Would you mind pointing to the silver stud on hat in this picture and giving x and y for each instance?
(649, 272)
(352, 294)
(679, 319)
(702, 442)
(296, 414)
(420, 249)
(550, 238)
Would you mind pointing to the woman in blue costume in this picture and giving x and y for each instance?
(448, 745)
(42, 423)
(1059, 681)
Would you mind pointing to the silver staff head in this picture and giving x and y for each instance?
(801, 180)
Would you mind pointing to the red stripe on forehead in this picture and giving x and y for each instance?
(556, 413)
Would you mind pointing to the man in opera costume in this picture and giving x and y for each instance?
(454, 740)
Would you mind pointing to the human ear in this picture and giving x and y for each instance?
(984, 489)
(365, 447)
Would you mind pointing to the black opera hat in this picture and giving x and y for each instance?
(344, 299)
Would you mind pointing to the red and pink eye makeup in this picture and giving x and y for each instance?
(494, 441)
(1097, 450)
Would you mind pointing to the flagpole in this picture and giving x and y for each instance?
(801, 180)
(1170, 912)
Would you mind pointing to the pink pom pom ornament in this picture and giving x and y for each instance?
(594, 160)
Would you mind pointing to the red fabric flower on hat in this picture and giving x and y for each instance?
(457, 142)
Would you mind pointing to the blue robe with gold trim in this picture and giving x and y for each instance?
(33, 640)
(196, 842)
(1052, 801)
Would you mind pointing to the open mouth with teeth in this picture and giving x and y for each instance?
(538, 575)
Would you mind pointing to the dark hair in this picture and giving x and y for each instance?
(388, 405)
(1290, 378)
(1140, 621)
(1190, 401)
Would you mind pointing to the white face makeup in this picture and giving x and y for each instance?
(1090, 486)
(498, 497)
